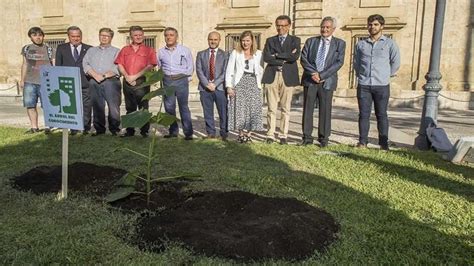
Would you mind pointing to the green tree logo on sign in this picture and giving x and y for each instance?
(64, 97)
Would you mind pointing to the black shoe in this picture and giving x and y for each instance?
(188, 137)
(305, 143)
(85, 132)
(73, 132)
(114, 133)
(32, 131)
(384, 147)
(169, 136)
(95, 134)
(241, 139)
(127, 134)
(144, 135)
(283, 141)
(269, 140)
(323, 144)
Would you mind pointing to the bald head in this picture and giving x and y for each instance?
(213, 39)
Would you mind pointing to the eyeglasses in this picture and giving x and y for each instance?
(103, 35)
(281, 26)
(247, 64)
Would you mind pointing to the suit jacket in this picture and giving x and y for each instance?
(202, 69)
(64, 57)
(277, 55)
(236, 65)
(334, 61)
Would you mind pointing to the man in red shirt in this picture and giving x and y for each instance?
(133, 61)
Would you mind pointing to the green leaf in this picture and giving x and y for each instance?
(136, 119)
(168, 91)
(119, 193)
(151, 77)
(164, 119)
(127, 179)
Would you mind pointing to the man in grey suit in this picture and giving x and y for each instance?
(281, 53)
(321, 58)
(71, 54)
(210, 68)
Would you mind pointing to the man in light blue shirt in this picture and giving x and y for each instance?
(177, 64)
(376, 60)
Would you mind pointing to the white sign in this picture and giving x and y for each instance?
(61, 96)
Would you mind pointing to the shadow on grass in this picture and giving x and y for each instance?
(423, 177)
(371, 230)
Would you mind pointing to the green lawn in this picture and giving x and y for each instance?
(400, 207)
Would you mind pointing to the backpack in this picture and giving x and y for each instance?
(48, 49)
(438, 138)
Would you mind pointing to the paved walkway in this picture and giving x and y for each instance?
(404, 123)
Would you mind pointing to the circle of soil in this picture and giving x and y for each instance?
(240, 226)
(82, 177)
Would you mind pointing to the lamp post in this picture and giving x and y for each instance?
(432, 86)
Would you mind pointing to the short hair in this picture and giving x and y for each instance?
(71, 28)
(170, 29)
(282, 17)
(375, 17)
(108, 30)
(332, 19)
(35, 30)
(253, 48)
(135, 28)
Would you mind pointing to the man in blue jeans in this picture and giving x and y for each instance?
(376, 59)
(34, 55)
(177, 64)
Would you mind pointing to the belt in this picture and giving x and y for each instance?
(176, 77)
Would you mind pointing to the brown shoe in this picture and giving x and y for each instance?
(361, 145)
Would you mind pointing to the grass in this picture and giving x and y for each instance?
(400, 207)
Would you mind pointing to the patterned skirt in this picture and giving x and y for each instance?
(245, 108)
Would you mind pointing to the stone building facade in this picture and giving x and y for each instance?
(409, 22)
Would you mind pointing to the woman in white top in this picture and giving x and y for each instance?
(243, 82)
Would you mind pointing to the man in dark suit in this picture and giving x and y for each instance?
(321, 58)
(211, 64)
(280, 76)
(71, 54)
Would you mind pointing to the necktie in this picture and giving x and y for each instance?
(321, 56)
(282, 39)
(76, 53)
(211, 65)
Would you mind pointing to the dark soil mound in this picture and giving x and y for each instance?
(82, 177)
(236, 225)
(241, 226)
(167, 194)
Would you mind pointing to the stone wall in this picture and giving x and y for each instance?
(409, 22)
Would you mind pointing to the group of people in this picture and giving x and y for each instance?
(232, 82)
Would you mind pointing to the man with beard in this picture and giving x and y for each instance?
(376, 59)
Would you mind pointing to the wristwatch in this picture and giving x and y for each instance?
(104, 76)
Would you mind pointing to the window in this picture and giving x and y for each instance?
(232, 41)
(53, 43)
(149, 41)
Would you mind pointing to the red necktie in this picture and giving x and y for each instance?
(211, 65)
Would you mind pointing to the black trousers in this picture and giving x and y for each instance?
(87, 108)
(133, 102)
(312, 94)
(108, 91)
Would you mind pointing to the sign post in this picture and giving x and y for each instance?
(61, 97)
